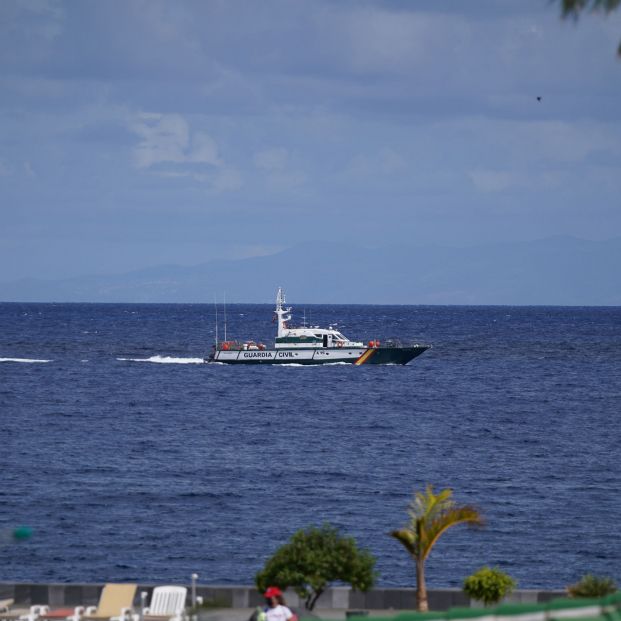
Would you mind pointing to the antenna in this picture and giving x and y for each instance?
(215, 303)
(225, 316)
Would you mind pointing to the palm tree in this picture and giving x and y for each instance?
(430, 516)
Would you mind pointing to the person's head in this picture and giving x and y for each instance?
(273, 597)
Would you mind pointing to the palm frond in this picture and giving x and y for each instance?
(407, 538)
(431, 515)
(425, 505)
(575, 7)
(452, 517)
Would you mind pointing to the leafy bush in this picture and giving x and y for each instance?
(313, 559)
(489, 585)
(592, 586)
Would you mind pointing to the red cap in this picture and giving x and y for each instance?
(273, 592)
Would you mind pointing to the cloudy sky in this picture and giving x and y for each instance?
(137, 133)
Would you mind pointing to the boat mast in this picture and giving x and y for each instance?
(225, 316)
(283, 314)
(215, 303)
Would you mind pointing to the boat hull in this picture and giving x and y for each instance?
(355, 355)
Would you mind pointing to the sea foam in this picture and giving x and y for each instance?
(30, 360)
(165, 360)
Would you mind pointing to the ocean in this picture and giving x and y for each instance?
(131, 459)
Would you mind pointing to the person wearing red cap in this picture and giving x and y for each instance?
(276, 609)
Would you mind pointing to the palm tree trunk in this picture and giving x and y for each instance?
(421, 587)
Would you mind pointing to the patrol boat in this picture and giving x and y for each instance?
(312, 345)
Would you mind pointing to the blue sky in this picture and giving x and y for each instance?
(137, 133)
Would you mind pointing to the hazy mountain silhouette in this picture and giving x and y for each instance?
(558, 270)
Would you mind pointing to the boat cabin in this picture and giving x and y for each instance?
(312, 337)
(304, 338)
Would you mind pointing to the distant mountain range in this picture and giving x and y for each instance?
(555, 271)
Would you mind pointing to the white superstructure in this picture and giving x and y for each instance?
(305, 337)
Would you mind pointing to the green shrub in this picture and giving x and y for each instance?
(592, 586)
(314, 558)
(489, 585)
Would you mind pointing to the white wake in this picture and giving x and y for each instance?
(165, 360)
(30, 360)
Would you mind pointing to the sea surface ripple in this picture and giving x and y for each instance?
(133, 460)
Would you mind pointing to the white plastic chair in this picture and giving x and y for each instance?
(32, 614)
(167, 602)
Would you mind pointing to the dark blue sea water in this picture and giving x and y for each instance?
(154, 470)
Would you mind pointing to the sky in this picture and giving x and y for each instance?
(137, 133)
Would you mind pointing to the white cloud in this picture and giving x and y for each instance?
(272, 159)
(373, 39)
(572, 142)
(175, 174)
(227, 179)
(279, 177)
(494, 180)
(390, 161)
(526, 144)
(382, 39)
(170, 147)
(28, 169)
(5, 169)
(386, 161)
(204, 150)
(166, 139)
(286, 181)
(223, 179)
(489, 180)
(44, 18)
(8, 170)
